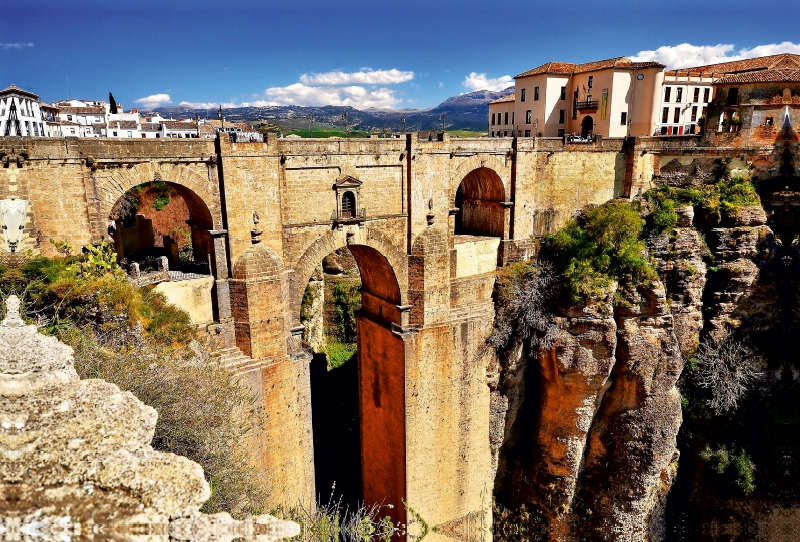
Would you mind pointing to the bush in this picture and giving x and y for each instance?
(720, 199)
(720, 459)
(133, 338)
(599, 248)
(525, 291)
(724, 367)
(665, 217)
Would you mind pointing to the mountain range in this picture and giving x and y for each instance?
(463, 112)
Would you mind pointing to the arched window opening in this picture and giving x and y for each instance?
(348, 205)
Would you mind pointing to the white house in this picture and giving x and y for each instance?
(21, 114)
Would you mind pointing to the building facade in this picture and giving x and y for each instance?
(23, 114)
(608, 98)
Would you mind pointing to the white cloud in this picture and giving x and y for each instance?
(479, 81)
(355, 96)
(15, 45)
(363, 77)
(686, 55)
(154, 100)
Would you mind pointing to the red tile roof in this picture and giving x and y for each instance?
(567, 68)
(123, 124)
(504, 99)
(783, 60)
(761, 76)
(83, 110)
(179, 125)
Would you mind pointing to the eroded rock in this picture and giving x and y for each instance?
(75, 456)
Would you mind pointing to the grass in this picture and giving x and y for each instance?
(466, 133)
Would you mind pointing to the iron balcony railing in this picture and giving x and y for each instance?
(587, 104)
(337, 216)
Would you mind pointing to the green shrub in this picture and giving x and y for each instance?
(665, 217)
(720, 459)
(599, 248)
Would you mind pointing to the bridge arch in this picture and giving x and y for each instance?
(112, 183)
(367, 391)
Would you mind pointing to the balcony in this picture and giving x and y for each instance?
(587, 105)
(340, 218)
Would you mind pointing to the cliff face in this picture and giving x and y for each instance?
(591, 426)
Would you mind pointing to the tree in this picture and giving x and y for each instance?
(113, 103)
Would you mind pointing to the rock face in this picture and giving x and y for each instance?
(75, 456)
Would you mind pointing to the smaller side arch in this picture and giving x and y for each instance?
(479, 198)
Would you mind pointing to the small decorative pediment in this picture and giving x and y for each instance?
(347, 182)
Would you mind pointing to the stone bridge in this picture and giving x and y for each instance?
(428, 223)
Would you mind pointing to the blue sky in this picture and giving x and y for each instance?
(400, 54)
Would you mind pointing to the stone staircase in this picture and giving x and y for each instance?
(235, 360)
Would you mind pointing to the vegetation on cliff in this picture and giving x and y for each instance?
(600, 247)
(133, 338)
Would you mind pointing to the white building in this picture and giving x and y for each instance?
(22, 114)
(83, 118)
(685, 96)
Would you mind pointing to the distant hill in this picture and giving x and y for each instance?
(464, 112)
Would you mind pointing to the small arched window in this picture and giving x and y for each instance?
(348, 205)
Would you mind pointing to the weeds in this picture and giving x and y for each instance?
(720, 459)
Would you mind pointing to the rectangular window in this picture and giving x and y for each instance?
(536, 93)
(506, 122)
(527, 133)
(733, 96)
(768, 121)
(623, 118)
(522, 95)
(561, 116)
(560, 132)
(528, 116)
(696, 95)
(694, 113)
(114, 134)
(676, 118)
(667, 92)
(130, 134)
(69, 118)
(563, 93)
(706, 92)
(679, 95)
(492, 119)
(705, 109)
(512, 117)
(591, 80)
(665, 115)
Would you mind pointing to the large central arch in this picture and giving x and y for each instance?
(380, 360)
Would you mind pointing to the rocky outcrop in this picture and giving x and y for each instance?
(76, 459)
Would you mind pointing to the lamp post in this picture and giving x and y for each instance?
(221, 119)
(197, 123)
(402, 125)
(12, 218)
(442, 120)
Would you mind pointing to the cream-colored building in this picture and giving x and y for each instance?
(610, 98)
